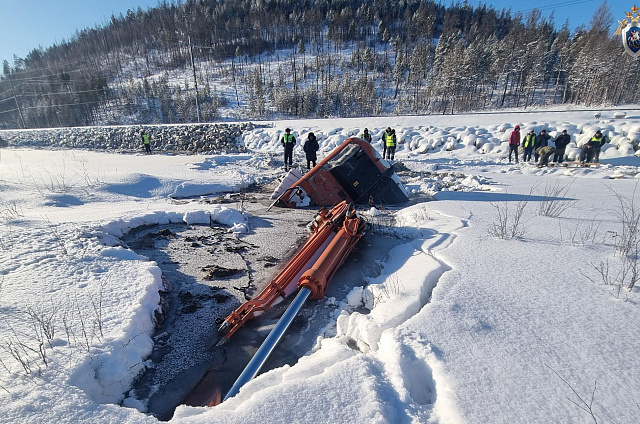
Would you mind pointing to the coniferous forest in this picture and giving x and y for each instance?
(204, 60)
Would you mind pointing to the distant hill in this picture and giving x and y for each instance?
(210, 60)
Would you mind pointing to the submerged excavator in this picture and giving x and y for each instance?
(353, 173)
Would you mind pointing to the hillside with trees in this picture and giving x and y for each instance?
(204, 60)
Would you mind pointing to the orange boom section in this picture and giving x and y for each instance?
(318, 276)
(335, 232)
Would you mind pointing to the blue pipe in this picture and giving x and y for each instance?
(260, 358)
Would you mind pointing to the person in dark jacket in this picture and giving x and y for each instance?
(528, 143)
(288, 141)
(389, 143)
(599, 140)
(542, 140)
(310, 148)
(591, 149)
(514, 142)
(366, 135)
(562, 141)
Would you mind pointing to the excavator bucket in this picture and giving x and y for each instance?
(352, 172)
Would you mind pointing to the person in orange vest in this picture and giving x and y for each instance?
(288, 141)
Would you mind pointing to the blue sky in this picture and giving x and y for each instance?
(27, 24)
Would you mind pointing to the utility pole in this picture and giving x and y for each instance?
(195, 80)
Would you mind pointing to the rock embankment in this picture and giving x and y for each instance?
(188, 138)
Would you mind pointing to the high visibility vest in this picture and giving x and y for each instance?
(389, 141)
(529, 139)
(288, 138)
(598, 140)
(145, 139)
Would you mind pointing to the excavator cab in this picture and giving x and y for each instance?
(353, 172)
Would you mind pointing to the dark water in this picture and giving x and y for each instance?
(207, 273)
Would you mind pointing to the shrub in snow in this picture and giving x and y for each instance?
(619, 115)
(504, 127)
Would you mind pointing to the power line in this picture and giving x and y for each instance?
(50, 67)
(67, 104)
(557, 5)
(7, 99)
(60, 92)
(49, 75)
(9, 111)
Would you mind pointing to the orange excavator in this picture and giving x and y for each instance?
(352, 173)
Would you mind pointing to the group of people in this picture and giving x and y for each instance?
(388, 139)
(534, 146)
(538, 145)
(311, 146)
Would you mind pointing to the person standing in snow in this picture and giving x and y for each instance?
(529, 143)
(288, 141)
(514, 142)
(310, 148)
(366, 136)
(389, 143)
(562, 141)
(542, 140)
(146, 142)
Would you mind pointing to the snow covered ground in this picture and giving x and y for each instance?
(476, 317)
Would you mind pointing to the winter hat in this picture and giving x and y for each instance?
(517, 127)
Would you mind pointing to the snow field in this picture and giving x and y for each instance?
(462, 327)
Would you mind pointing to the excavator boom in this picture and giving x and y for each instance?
(327, 226)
